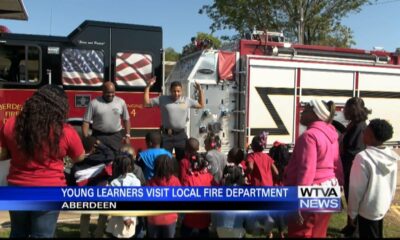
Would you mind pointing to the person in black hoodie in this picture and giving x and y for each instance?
(356, 112)
(96, 168)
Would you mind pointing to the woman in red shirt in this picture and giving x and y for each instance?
(37, 140)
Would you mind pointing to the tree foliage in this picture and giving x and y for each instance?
(201, 41)
(321, 18)
(171, 54)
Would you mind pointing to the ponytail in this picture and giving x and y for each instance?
(332, 110)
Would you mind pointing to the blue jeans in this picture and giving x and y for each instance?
(34, 224)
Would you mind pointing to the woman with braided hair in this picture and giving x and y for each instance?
(37, 140)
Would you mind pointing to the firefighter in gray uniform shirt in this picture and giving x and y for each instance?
(174, 113)
(106, 112)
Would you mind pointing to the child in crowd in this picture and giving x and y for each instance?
(214, 156)
(163, 225)
(279, 152)
(197, 176)
(137, 170)
(147, 157)
(236, 158)
(373, 180)
(118, 226)
(94, 170)
(127, 148)
(261, 168)
(191, 149)
(259, 165)
(230, 224)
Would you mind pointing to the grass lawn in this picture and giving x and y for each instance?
(391, 227)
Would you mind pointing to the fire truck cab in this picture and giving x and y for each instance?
(94, 52)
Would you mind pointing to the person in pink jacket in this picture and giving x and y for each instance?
(315, 161)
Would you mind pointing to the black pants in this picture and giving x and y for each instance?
(346, 175)
(111, 140)
(370, 228)
(175, 141)
(187, 232)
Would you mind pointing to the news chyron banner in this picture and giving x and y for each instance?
(313, 198)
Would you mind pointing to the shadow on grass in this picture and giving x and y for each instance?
(70, 230)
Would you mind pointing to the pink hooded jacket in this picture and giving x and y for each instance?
(315, 157)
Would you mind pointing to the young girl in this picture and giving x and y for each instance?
(163, 225)
(230, 224)
(118, 226)
(196, 175)
(137, 170)
(127, 148)
(191, 148)
(280, 154)
(260, 166)
(236, 158)
(214, 156)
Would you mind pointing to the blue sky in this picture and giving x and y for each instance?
(375, 25)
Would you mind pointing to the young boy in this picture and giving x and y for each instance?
(373, 180)
(148, 157)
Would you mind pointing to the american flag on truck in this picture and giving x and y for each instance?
(82, 67)
(133, 69)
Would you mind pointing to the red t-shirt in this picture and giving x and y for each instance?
(262, 173)
(49, 171)
(184, 168)
(197, 179)
(169, 218)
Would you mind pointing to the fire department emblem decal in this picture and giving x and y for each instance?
(82, 101)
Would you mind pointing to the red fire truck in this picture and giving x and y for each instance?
(262, 83)
(94, 52)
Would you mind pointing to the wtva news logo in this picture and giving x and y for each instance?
(319, 198)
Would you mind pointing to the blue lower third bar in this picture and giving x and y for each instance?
(146, 205)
